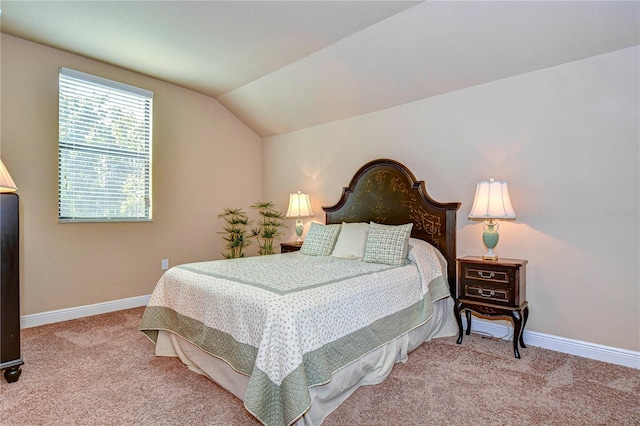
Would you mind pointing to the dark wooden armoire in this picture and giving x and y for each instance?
(10, 360)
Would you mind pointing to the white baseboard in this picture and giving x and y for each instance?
(503, 329)
(50, 317)
(500, 329)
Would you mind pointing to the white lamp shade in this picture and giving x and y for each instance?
(6, 183)
(492, 201)
(299, 205)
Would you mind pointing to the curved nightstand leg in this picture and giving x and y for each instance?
(468, 315)
(517, 328)
(456, 310)
(525, 314)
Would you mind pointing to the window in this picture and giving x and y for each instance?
(104, 150)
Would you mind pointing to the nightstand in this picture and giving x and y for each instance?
(290, 246)
(493, 289)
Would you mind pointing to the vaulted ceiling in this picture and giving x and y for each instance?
(282, 66)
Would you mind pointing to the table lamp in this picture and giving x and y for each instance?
(491, 203)
(299, 207)
(6, 183)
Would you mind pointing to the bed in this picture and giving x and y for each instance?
(294, 334)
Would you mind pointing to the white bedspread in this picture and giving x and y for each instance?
(290, 321)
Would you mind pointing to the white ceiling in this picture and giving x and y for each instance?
(288, 65)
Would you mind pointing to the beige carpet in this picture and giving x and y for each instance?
(102, 371)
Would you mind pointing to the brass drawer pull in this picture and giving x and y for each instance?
(483, 294)
(482, 275)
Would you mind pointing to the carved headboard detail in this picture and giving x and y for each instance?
(385, 191)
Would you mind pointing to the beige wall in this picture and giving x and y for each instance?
(204, 159)
(565, 138)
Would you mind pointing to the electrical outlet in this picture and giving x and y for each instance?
(165, 264)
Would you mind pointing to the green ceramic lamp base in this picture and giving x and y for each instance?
(299, 229)
(490, 238)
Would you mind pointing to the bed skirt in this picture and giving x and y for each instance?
(370, 369)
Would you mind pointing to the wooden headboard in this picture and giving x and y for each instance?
(385, 191)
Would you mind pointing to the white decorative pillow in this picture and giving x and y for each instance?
(351, 240)
(387, 244)
(320, 239)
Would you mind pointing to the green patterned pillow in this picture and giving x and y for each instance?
(387, 244)
(320, 239)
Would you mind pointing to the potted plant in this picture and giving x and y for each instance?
(235, 232)
(268, 226)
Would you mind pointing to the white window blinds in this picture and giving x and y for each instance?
(104, 150)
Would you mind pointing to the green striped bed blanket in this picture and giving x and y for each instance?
(289, 321)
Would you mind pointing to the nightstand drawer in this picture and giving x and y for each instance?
(486, 273)
(500, 283)
(483, 292)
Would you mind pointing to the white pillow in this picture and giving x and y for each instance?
(351, 241)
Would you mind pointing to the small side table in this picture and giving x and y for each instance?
(290, 246)
(493, 289)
